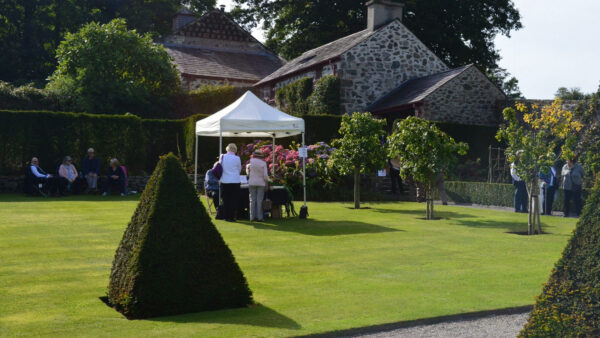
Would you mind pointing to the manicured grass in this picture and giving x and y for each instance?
(343, 268)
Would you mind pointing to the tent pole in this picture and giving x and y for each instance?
(196, 164)
(304, 171)
(219, 157)
(273, 158)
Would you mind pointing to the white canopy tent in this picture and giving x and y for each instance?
(249, 116)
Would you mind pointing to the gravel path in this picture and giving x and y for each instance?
(493, 326)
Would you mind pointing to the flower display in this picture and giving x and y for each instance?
(288, 163)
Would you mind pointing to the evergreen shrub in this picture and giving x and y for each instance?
(294, 97)
(172, 259)
(325, 98)
(569, 305)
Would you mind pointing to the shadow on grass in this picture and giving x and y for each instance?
(255, 315)
(321, 228)
(20, 198)
(421, 213)
(514, 228)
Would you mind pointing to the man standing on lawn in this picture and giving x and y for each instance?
(520, 187)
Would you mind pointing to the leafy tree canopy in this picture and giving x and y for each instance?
(423, 150)
(460, 32)
(31, 30)
(573, 93)
(109, 69)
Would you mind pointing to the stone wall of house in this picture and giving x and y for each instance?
(470, 98)
(381, 63)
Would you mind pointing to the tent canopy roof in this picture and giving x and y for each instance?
(249, 116)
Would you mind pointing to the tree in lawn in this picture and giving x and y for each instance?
(172, 259)
(544, 135)
(359, 150)
(109, 69)
(569, 305)
(424, 152)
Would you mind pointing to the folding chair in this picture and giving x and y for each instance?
(210, 205)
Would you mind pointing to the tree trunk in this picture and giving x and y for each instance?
(429, 199)
(356, 188)
(530, 210)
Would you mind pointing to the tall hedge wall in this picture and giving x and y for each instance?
(498, 194)
(50, 136)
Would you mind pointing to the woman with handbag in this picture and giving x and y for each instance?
(258, 179)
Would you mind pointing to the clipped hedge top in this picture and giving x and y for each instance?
(569, 305)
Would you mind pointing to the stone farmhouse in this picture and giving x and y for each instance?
(387, 70)
(215, 50)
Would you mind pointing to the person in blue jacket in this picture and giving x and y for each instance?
(549, 183)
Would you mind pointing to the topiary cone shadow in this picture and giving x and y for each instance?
(171, 259)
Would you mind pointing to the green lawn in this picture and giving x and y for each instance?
(343, 268)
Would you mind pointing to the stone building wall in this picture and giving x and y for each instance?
(381, 63)
(470, 98)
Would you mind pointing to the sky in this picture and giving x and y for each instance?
(557, 46)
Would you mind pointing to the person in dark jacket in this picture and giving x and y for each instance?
(114, 176)
(91, 170)
(211, 184)
(549, 182)
(572, 183)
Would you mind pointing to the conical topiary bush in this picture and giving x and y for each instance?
(569, 305)
(172, 259)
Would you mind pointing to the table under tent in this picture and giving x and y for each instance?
(249, 116)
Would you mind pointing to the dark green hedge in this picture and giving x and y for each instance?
(52, 135)
(172, 259)
(479, 138)
(569, 305)
(498, 194)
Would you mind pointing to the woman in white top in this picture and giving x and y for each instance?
(258, 179)
(230, 181)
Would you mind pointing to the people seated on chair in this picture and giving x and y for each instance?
(115, 176)
(68, 176)
(211, 184)
(36, 176)
(90, 166)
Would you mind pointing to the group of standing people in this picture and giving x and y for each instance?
(224, 176)
(69, 181)
(569, 178)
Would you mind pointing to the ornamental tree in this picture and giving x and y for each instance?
(544, 135)
(359, 150)
(424, 152)
(109, 69)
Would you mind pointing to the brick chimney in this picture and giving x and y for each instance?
(182, 18)
(381, 12)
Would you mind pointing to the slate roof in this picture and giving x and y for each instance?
(320, 54)
(203, 62)
(415, 90)
(215, 25)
